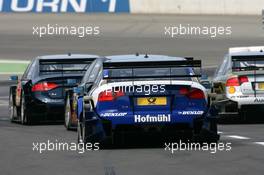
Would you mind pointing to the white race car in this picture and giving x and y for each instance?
(239, 81)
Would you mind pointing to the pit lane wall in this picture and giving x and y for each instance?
(235, 7)
(224, 7)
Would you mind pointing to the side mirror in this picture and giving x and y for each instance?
(13, 78)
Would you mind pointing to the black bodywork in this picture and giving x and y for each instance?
(40, 93)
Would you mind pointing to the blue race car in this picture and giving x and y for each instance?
(143, 93)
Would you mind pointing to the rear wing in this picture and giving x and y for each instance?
(252, 58)
(59, 65)
(132, 67)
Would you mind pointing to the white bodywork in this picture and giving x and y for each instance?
(106, 86)
(245, 94)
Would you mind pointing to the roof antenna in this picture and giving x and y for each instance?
(69, 54)
(146, 56)
(137, 54)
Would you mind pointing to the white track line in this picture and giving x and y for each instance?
(11, 73)
(3, 102)
(15, 61)
(4, 119)
(237, 137)
(259, 143)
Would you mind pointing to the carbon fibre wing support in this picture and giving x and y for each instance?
(133, 66)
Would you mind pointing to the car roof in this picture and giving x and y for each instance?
(68, 56)
(142, 58)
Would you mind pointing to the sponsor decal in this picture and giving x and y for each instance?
(190, 112)
(258, 100)
(122, 114)
(64, 6)
(152, 119)
(145, 89)
(152, 100)
(240, 96)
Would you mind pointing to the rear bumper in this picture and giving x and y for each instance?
(255, 110)
(47, 110)
(245, 101)
(229, 108)
(106, 127)
(178, 117)
(103, 129)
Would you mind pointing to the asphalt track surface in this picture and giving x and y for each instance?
(121, 35)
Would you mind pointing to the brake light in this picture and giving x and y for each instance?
(243, 79)
(44, 86)
(192, 93)
(233, 82)
(196, 94)
(183, 91)
(109, 95)
(236, 81)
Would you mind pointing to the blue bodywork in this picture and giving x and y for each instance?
(124, 110)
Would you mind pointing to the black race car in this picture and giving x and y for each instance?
(40, 94)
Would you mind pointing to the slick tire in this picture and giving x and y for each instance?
(207, 136)
(81, 132)
(25, 115)
(67, 114)
(12, 108)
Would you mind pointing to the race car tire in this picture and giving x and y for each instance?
(242, 115)
(118, 139)
(67, 114)
(12, 107)
(207, 135)
(81, 131)
(25, 115)
(79, 134)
